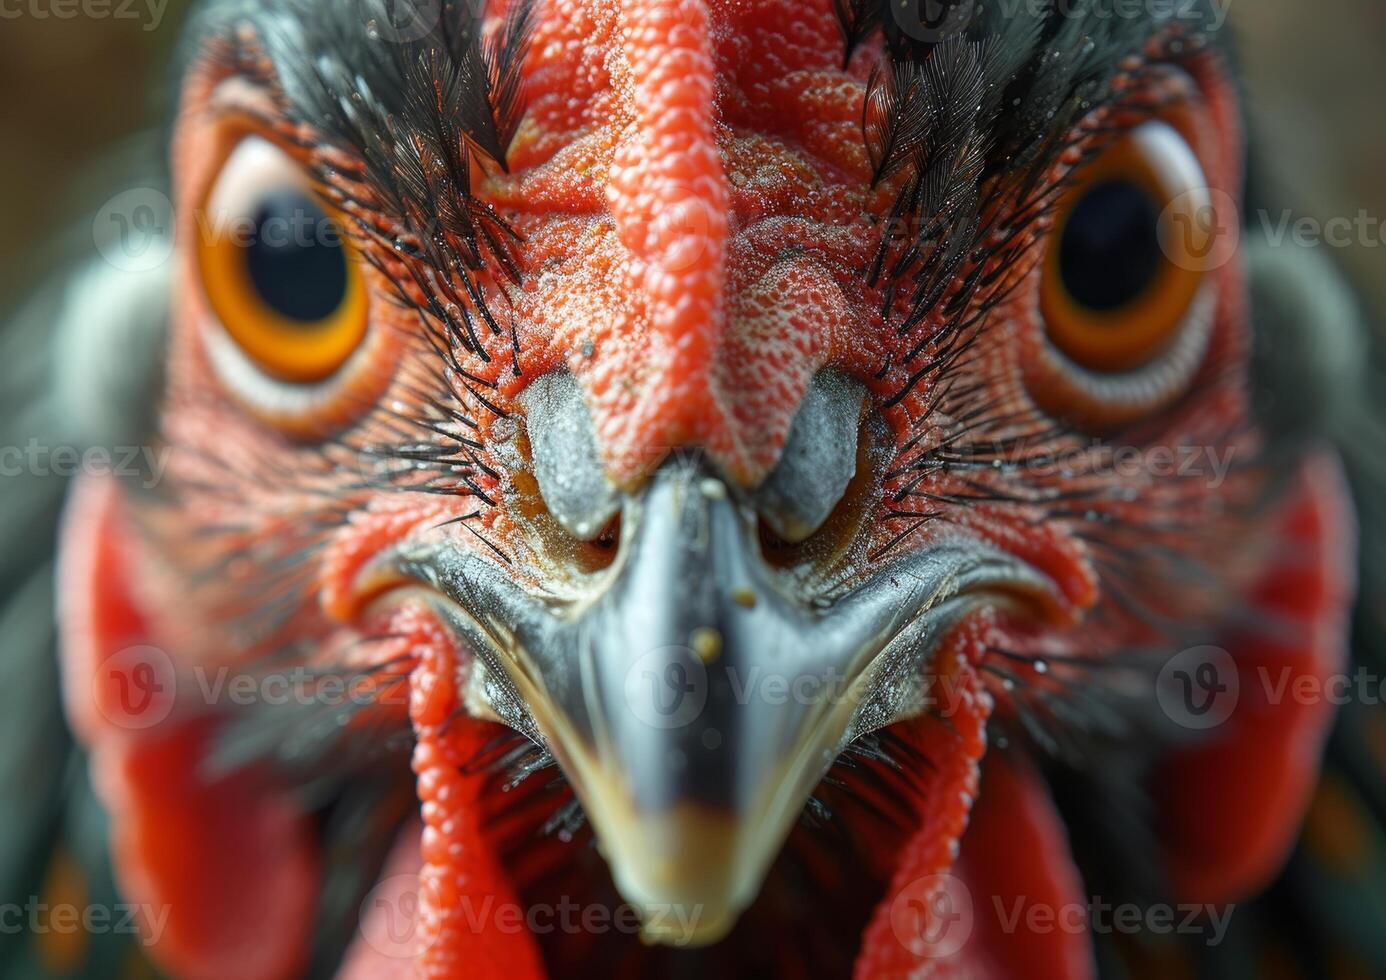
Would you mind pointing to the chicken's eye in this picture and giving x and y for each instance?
(277, 268)
(1125, 260)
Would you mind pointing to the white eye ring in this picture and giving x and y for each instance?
(1107, 360)
(255, 168)
(255, 172)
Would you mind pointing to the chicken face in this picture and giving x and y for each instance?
(711, 393)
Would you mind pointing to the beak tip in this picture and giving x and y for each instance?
(685, 872)
(687, 931)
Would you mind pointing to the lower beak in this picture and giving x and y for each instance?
(696, 703)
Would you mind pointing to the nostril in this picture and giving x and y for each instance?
(610, 536)
(776, 551)
(836, 536)
(817, 461)
(565, 458)
(601, 551)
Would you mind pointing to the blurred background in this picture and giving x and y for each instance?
(75, 90)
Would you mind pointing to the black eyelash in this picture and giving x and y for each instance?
(1030, 83)
(414, 114)
(969, 123)
(310, 739)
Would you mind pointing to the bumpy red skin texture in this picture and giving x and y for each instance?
(958, 741)
(686, 307)
(695, 201)
(457, 873)
(941, 914)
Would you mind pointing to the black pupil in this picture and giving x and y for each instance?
(295, 258)
(1110, 249)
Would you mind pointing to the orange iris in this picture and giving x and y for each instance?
(285, 283)
(1129, 242)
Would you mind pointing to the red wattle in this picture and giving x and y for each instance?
(1233, 805)
(224, 867)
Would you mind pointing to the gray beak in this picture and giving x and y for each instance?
(701, 705)
(696, 702)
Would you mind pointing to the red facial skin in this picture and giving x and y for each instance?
(695, 204)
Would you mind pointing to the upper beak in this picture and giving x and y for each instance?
(695, 704)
